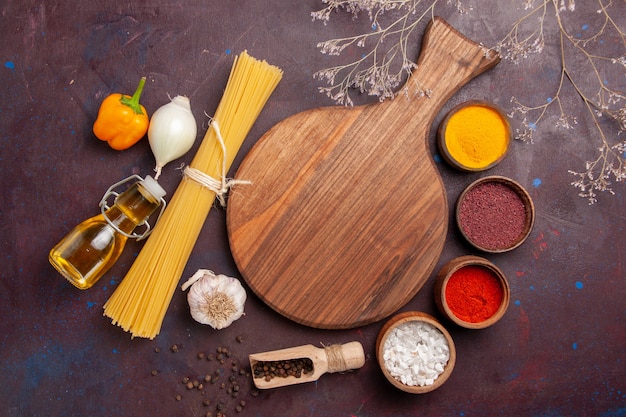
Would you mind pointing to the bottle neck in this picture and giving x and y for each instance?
(132, 208)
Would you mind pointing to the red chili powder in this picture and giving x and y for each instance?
(474, 293)
(492, 215)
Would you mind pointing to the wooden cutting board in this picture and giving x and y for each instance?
(347, 215)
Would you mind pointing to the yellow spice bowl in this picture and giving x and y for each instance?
(474, 136)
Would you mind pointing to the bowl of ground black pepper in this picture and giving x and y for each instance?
(472, 292)
(474, 136)
(495, 214)
(415, 352)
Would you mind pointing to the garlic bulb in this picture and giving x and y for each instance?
(216, 300)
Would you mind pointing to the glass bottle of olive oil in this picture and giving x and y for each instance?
(93, 246)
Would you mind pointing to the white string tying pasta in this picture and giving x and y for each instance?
(219, 187)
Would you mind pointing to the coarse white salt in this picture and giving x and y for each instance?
(415, 353)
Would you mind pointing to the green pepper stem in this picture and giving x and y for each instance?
(133, 102)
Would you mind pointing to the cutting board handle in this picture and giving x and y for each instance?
(464, 59)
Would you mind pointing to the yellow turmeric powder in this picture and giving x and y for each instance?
(477, 136)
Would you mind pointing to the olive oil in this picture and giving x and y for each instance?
(93, 246)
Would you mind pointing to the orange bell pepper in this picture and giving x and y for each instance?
(121, 120)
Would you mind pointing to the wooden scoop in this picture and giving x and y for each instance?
(331, 359)
(346, 216)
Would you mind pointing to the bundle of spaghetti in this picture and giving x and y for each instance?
(140, 302)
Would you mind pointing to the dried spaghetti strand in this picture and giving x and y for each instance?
(140, 302)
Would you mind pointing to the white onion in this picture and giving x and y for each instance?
(172, 132)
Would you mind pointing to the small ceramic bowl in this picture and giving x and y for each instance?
(495, 214)
(475, 302)
(469, 144)
(401, 320)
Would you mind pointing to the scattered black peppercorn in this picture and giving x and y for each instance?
(236, 382)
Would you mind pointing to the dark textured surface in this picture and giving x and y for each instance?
(558, 351)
